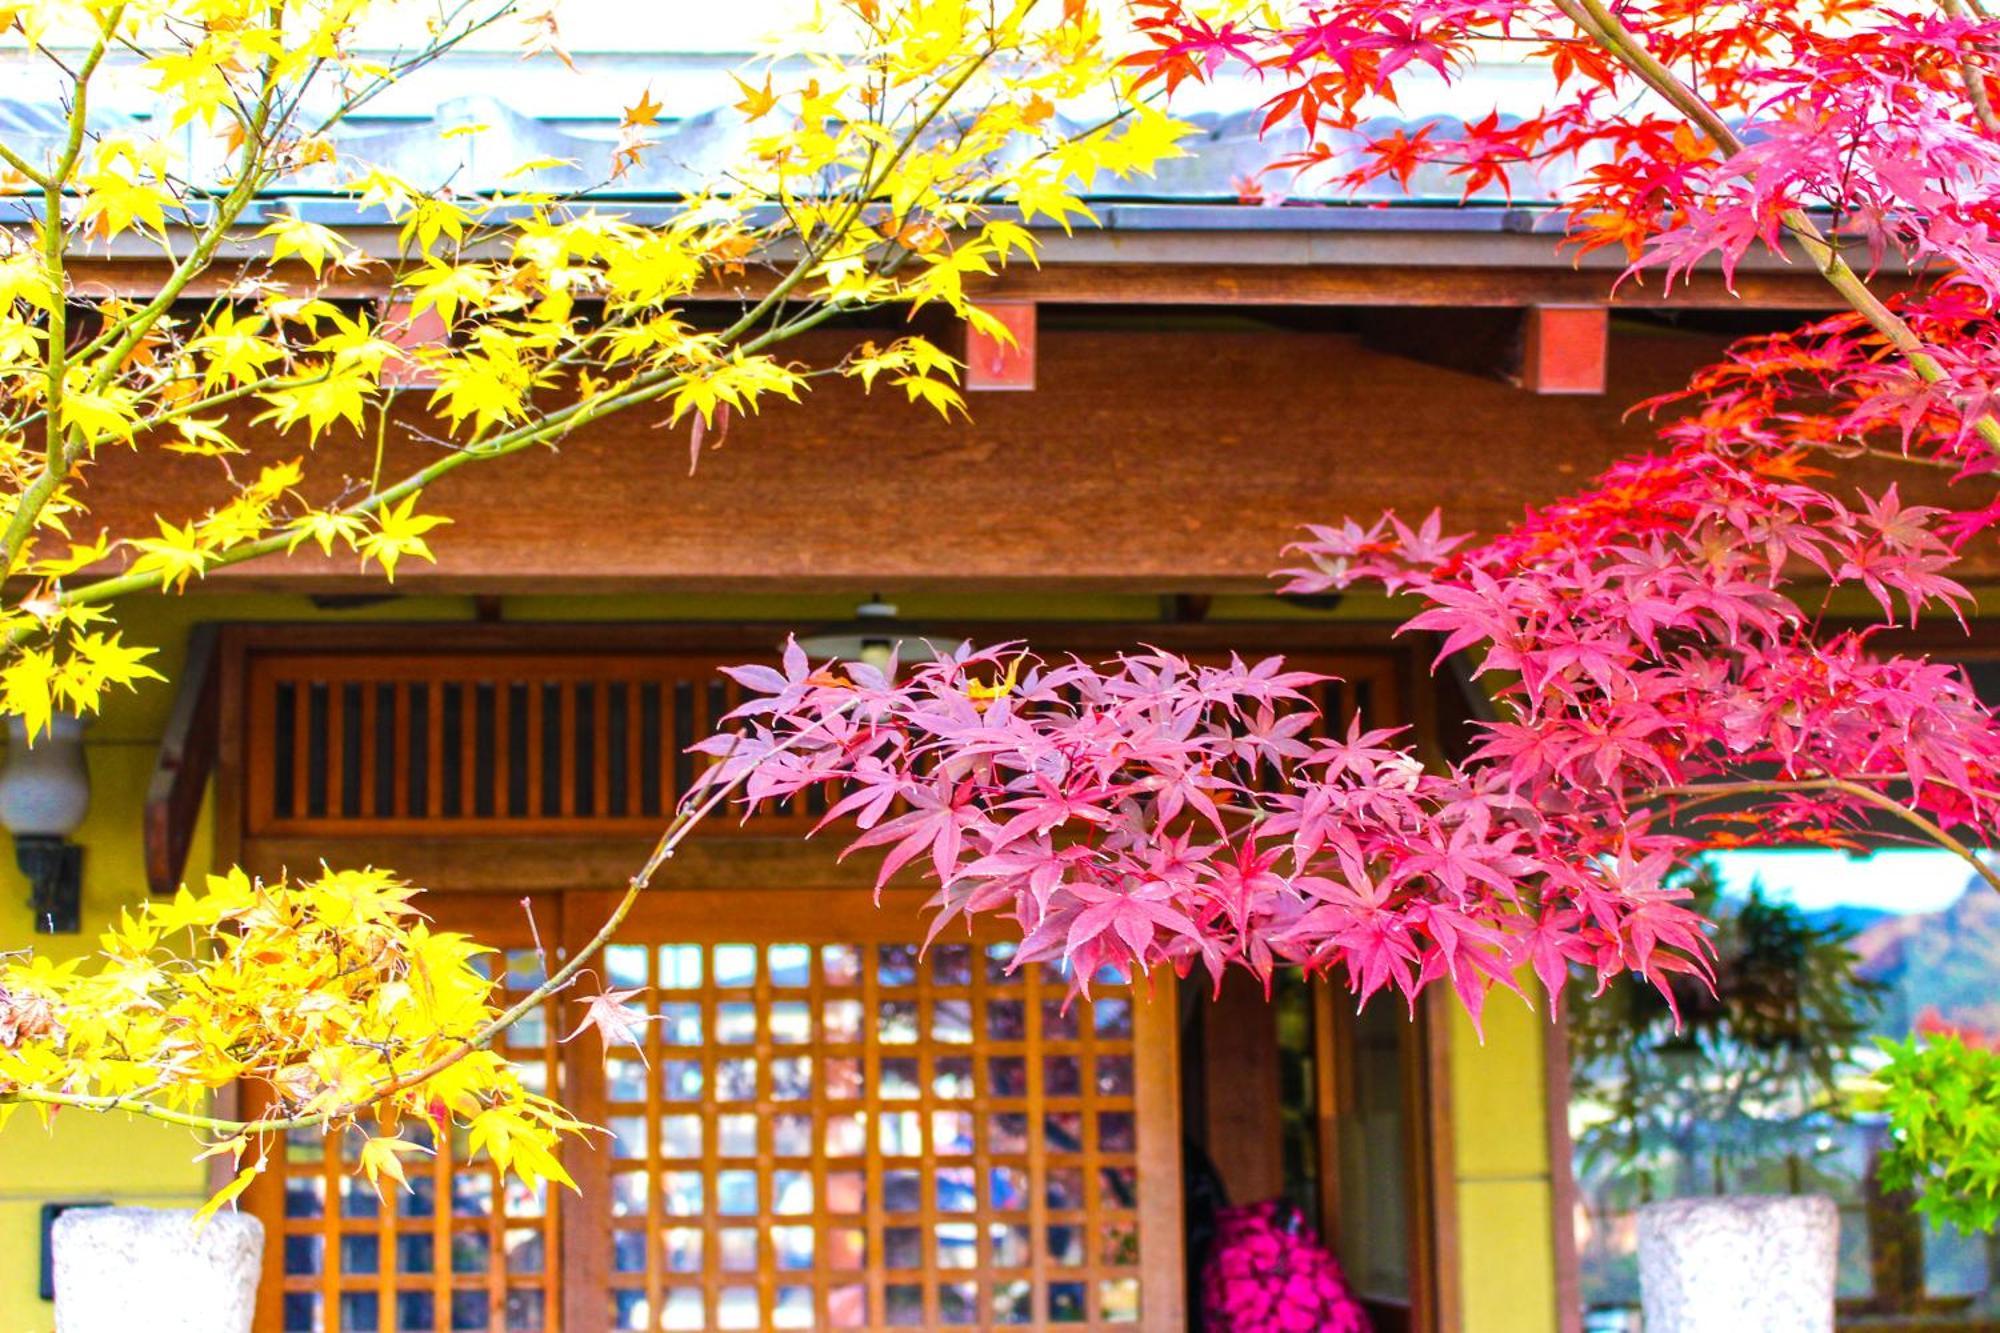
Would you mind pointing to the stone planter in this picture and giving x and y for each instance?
(1733, 1263)
(118, 1270)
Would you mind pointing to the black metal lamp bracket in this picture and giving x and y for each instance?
(54, 867)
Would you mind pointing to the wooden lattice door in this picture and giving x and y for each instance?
(462, 1248)
(831, 1128)
(825, 1127)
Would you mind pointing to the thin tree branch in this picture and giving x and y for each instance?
(556, 982)
(1706, 793)
(1601, 25)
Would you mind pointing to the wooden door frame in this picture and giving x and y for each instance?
(1438, 702)
(1429, 1165)
(527, 864)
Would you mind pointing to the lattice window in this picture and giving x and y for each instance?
(847, 1135)
(492, 744)
(460, 1250)
(464, 745)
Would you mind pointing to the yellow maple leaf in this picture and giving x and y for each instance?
(27, 689)
(310, 241)
(326, 526)
(382, 1156)
(757, 102)
(936, 392)
(645, 111)
(399, 531)
(176, 555)
(227, 1194)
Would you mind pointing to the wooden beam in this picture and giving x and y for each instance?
(186, 759)
(1369, 642)
(1329, 283)
(1148, 461)
(1375, 285)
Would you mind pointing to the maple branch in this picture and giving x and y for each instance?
(1607, 30)
(866, 190)
(1852, 451)
(552, 426)
(1704, 793)
(57, 458)
(20, 165)
(683, 823)
(559, 423)
(114, 345)
(125, 1103)
(1974, 79)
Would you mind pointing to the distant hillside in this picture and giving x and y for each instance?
(1947, 961)
(1849, 920)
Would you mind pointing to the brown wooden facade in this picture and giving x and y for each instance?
(1169, 449)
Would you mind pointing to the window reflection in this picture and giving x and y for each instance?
(1765, 1087)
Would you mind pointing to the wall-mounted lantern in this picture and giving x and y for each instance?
(44, 794)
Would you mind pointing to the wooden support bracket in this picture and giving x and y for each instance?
(409, 331)
(186, 759)
(991, 363)
(1564, 349)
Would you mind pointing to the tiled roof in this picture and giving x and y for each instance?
(476, 123)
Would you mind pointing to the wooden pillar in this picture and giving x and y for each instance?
(1240, 1090)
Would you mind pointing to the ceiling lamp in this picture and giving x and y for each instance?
(873, 636)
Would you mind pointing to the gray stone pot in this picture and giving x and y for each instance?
(1733, 1263)
(120, 1270)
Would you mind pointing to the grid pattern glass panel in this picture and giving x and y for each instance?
(860, 1135)
(461, 1251)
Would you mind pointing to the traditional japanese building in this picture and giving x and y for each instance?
(830, 1127)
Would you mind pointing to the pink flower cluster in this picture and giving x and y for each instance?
(1267, 1273)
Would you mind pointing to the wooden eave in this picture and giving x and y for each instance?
(1155, 455)
(1165, 254)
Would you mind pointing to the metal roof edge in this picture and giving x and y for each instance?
(1142, 233)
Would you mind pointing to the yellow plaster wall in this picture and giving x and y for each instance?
(89, 1157)
(78, 1156)
(1501, 1157)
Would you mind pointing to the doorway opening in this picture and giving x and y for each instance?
(1297, 1098)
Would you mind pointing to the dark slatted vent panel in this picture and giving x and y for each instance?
(502, 743)
(525, 744)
